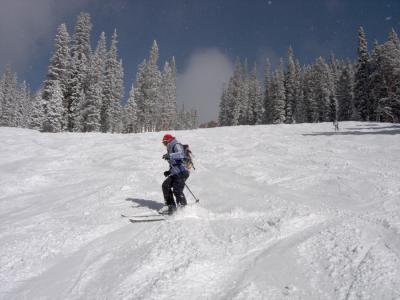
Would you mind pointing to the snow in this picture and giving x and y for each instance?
(285, 212)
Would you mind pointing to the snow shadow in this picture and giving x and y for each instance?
(374, 128)
(389, 132)
(146, 203)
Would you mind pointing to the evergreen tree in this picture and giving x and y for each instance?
(388, 64)
(290, 88)
(112, 90)
(36, 117)
(323, 90)
(76, 98)
(378, 88)
(308, 93)
(80, 64)
(277, 94)
(223, 109)
(53, 109)
(333, 107)
(194, 119)
(2, 79)
(335, 68)
(300, 108)
(139, 97)
(22, 106)
(92, 106)
(153, 89)
(131, 113)
(168, 99)
(361, 85)
(9, 92)
(393, 37)
(148, 92)
(234, 94)
(59, 70)
(243, 100)
(255, 106)
(267, 95)
(345, 94)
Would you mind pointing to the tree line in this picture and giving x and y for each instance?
(83, 90)
(365, 90)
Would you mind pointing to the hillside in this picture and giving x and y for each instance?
(285, 212)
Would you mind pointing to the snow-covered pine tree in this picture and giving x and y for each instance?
(290, 88)
(345, 94)
(277, 94)
(9, 92)
(148, 91)
(168, 99)
(53, 109)
(389, 64)
(140, 97)
(112, 90)
(194, 119)
(92, 106)
(36, 116)
(308, 87)
(267, 119)
(118, 95)
(131, 113)
(76, 97)
(255, 103)
(234, 94)
(323, 90)
(1, 95)
(59, 69)
(223, 108)
(80, 63)
(394, 38)
(335, 67)
(300, 111)
(182, 120)
(153, 88)
(172, 104)
(22, 105)
(243, 101)
(361, 84)
(378, 88)
(81, 41)
(333, 107)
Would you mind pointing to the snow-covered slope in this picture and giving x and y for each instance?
(286, 211)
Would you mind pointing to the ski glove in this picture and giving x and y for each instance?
(167, 173)
(165, 156)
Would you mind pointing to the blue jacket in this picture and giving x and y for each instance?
(176, 157)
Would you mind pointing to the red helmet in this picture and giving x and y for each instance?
(167, 138)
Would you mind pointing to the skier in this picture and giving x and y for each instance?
(177, 174)
(336, 125)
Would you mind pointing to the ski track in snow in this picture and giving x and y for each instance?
(285, 212)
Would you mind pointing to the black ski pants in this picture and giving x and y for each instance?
(173, 186)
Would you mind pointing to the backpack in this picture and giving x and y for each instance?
(188, 157)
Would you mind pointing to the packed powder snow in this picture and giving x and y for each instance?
(285, 212)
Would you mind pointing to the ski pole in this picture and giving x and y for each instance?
(197, 200)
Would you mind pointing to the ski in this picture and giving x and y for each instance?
(140, 216)
(146, 220)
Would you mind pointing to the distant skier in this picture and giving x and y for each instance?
(336, 125)
(177, 174)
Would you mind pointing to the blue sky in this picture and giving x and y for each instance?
(204, 36)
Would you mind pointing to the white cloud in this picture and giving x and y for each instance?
(27, 25)
(200, 85)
